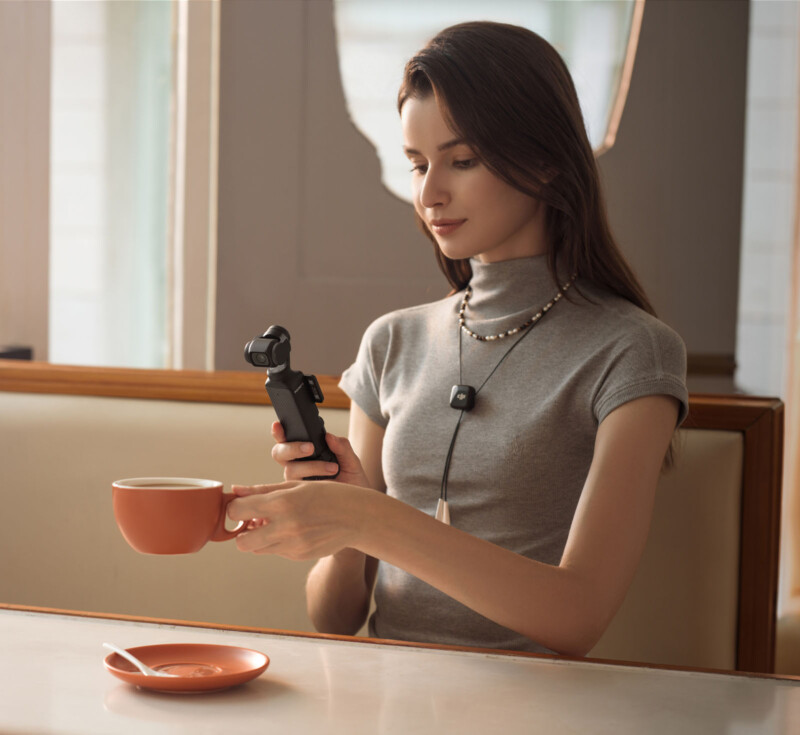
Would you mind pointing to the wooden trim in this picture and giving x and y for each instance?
(727, 412)
(171, 385)
(760, 420)
(706, 364)
(248, 387)
(760, 541)
(383, 641)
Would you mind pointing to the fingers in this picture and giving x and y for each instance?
(251, 542)
(341, 447)
(297, 520)
(252, 501)
(241, 491)
(284, 452)
(241, 510)
(252, 509)
(278, 434)
(297, 471)
(288, 454)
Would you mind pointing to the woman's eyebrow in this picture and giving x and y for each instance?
(443, 147)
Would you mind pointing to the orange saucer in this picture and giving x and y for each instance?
(199, 667)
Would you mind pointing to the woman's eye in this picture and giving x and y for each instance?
(465, 163)
(419, 168)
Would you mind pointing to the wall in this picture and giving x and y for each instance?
(308, 238)
(674, 178)
(24, 174)
(307, 233)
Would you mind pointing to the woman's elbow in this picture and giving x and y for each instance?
(581, 642)
(337, 621)
(578, 632)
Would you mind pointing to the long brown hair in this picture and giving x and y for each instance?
(508, 93)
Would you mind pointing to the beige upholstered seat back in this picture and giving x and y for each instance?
(60, 545)
(682, 606)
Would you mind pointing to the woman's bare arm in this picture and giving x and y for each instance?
(565, 607)
(339, 587)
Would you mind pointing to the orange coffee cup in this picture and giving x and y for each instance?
(171, 515)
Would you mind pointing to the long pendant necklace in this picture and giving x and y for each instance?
(462, 397)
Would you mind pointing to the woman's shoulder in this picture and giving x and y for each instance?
(625, 345)
(617, 340)
(630, 352)
(412, 321)
(611, 316)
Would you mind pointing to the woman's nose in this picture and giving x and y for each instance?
(433, 190)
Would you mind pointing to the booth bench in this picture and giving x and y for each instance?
(704, 595)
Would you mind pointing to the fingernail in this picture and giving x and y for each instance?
(331, 467)
(306, 448)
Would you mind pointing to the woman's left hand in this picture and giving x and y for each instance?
(298, 520)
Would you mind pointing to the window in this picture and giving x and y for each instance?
(133, 141)
(111, 94)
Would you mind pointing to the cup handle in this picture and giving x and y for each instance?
(221, 533)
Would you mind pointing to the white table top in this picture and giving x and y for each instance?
(52, 680)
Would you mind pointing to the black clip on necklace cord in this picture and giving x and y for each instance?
(462, 397)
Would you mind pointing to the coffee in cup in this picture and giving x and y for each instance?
(171, 515)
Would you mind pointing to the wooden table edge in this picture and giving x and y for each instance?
(385, 642)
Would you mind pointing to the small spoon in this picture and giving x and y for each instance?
(144, 668)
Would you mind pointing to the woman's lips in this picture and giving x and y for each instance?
(446, 226)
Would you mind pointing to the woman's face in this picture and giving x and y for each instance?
(470, 211)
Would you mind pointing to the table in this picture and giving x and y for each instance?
(52, 680)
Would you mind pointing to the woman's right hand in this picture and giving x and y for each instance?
(286, 454)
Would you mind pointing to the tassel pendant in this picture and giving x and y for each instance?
(443, 512)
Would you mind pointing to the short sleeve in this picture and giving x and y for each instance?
(649, 360)
(361, 381)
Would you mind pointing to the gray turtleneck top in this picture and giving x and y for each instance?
(523, 453)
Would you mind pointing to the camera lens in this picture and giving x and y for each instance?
(259, 358)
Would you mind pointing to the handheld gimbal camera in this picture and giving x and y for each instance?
(295, 396)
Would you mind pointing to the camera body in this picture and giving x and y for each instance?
(294, 395)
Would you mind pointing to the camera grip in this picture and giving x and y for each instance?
(296, 407)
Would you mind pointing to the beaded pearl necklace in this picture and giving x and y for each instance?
(462, 322)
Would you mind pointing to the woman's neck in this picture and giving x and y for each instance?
(508, 287)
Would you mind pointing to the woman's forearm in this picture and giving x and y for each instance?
(566, 607)
(546, 603)
(495, 582)
(338, 594)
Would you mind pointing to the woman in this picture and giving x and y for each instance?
(515, 430)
